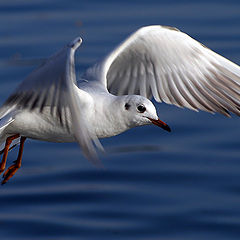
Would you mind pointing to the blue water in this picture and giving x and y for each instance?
(183, 185)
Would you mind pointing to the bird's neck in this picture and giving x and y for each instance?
(108, 120)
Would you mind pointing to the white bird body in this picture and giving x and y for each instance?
(100, 114)
(154, 61)
(42, 127)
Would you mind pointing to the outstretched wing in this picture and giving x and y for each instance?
(172, 67)
(53, 84)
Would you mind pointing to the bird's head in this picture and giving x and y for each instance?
(139, 111)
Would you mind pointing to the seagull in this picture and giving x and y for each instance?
(158, 62)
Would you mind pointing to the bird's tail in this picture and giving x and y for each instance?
(6, 117)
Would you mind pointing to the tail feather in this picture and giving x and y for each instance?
(5, 121)
(6, 117)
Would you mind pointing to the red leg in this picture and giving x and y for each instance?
(13, 168)
(5, 151)
(13, 146)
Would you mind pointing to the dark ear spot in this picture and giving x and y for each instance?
(127, 106)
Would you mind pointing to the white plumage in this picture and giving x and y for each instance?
(154, 61)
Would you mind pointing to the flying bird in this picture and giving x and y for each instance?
(155, 61)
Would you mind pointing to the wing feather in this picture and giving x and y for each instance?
(172, 67)
(53, 85)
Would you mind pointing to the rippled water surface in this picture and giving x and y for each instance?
(155, 185)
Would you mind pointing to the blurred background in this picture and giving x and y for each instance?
(155, 185)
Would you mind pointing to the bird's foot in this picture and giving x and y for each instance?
(10, 172)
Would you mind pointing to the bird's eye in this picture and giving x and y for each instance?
(127, 106)
(141, 108)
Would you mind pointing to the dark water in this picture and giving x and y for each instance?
(155, 185)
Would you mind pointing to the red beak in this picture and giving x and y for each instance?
(161, 124)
